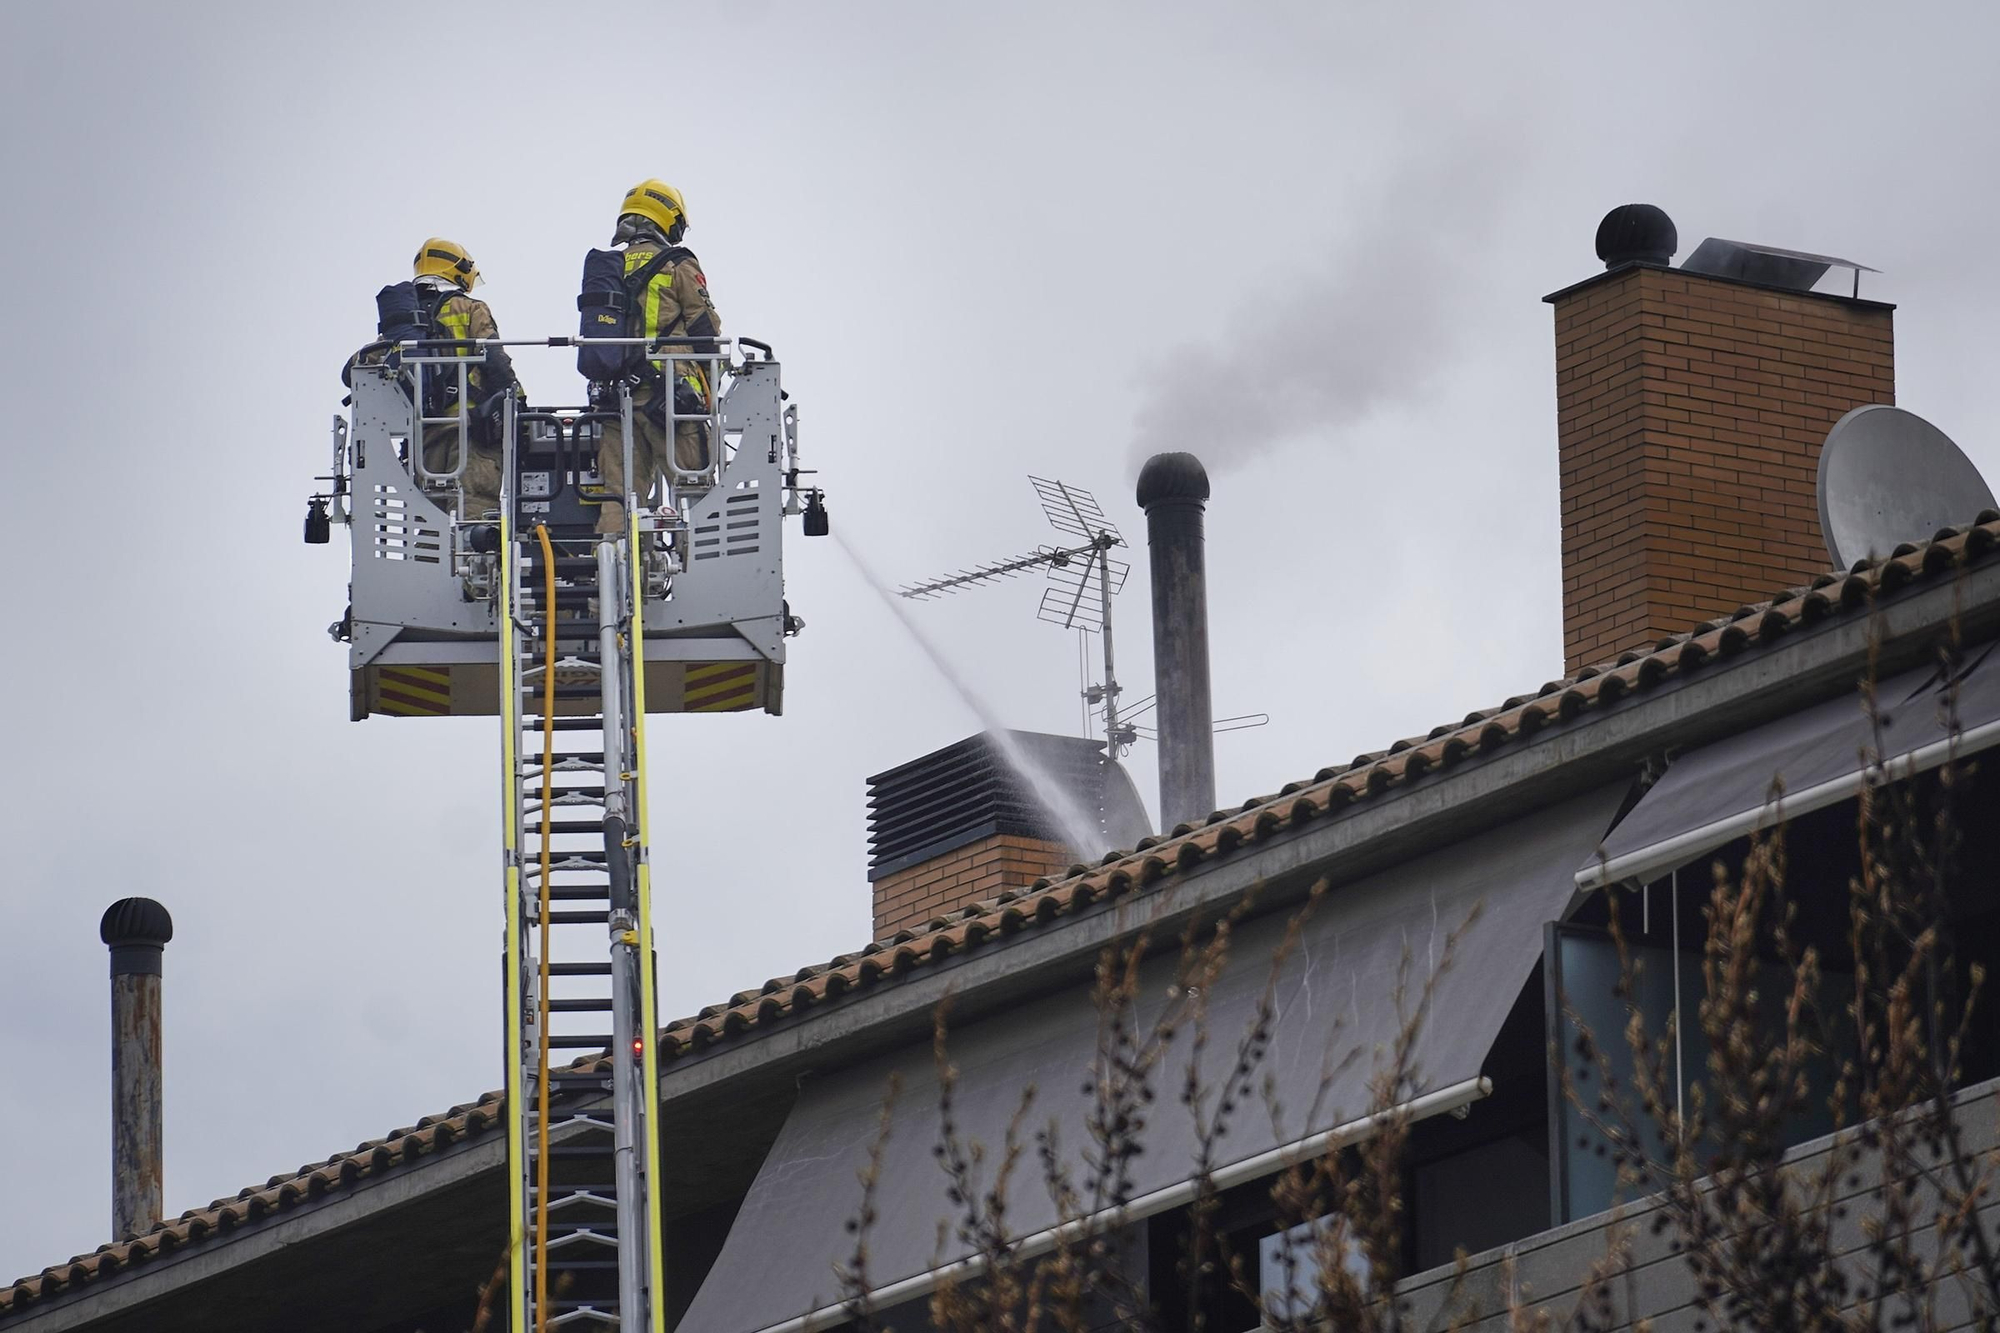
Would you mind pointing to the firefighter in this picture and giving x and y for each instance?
(673, 303)
(446, 275)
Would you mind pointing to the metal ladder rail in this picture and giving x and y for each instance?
(624, 895)
(621, 569)
(649, 1016)
(516, 958)
(558, 1242)
(629, 974)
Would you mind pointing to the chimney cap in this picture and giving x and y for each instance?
(1175, 476)
(1636, 234)
(139, 921)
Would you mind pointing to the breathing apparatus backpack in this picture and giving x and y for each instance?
(406, 312)
(611, 305)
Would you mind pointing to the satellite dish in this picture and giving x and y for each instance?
(1887, 476)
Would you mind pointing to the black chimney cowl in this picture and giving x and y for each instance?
(137, 929)
(1172, 477)
(1637, 234)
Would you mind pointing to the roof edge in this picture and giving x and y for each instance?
(1354, 835)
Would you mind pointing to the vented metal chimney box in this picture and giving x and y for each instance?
(967, 791)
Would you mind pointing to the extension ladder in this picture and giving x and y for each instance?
(584, 1080)
(432, 591)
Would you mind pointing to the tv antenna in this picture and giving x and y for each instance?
(1887, 476)
(1083, 578)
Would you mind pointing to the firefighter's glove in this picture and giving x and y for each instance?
(688, 400)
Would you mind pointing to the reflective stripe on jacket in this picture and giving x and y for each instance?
(675, 302)
(464, 317)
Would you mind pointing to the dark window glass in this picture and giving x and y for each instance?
(1584, 970)
(1487, 1195)
(1288, 1267)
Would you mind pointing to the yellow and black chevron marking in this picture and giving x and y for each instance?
(720, 687)
(412, 691)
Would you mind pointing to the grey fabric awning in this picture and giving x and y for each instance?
(1335, 995)
(1815, 758)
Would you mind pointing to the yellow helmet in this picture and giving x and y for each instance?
(658, 202)
(439, 258)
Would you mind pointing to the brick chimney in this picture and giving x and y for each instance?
(1690, 407)
(959, 825)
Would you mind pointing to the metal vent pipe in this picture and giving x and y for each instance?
(137, 930)
(1173, 490)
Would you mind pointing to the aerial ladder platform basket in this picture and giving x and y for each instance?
(423, 616)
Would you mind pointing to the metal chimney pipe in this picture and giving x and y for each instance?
(1173, 490)
(137, 929)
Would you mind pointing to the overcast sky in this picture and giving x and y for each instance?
(1308, 242)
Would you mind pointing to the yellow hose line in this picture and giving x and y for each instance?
(548, 795)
